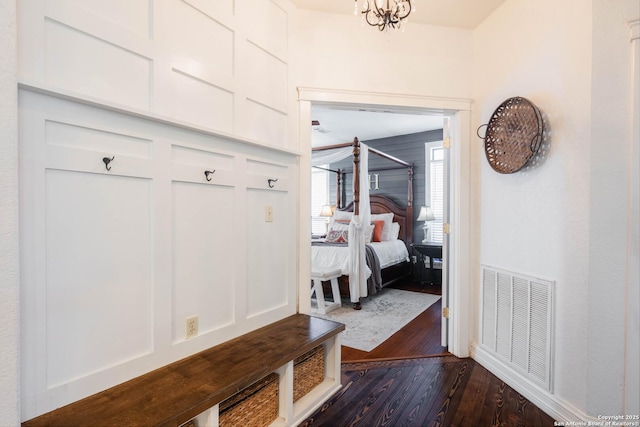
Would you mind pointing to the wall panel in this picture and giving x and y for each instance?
(82, 63)
(267, 78)
(133, 16)
(265, 123)
(99, 273)
(115, 260)
(203, 103)
(203, 253)
(200, 39)
(199, 62)
(269, 28)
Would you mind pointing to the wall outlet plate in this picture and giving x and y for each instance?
(191, 327)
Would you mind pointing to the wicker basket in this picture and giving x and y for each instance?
(255, 406)
(308, 372)
(513, 136)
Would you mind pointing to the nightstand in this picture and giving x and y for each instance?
(431, 250)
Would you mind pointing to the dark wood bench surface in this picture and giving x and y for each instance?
(173, 394)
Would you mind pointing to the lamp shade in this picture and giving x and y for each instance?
(326, 211)
(426, 214)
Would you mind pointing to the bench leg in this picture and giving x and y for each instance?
(337, 301)
(317, 288)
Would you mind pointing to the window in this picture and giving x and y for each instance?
(434, 185)
(319, 198)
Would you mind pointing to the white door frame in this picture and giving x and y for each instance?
(459, 111)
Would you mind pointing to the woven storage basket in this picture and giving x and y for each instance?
(308, 372)
(255, 406)
(514, 135)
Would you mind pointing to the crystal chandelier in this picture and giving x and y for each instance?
(385, 14)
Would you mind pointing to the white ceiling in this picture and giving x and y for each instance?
(339, 124)
(449, 13)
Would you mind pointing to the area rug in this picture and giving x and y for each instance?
(382, 315)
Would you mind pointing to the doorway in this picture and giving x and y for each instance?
(455, 327)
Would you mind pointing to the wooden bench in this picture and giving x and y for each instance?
(176, 393)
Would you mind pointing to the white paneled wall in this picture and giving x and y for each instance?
(115, 261)
(221, 65)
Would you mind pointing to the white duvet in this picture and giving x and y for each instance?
(332, 258)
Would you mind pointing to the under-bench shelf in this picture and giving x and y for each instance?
(194, 386)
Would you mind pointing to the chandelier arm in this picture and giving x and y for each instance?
(366, 17)
(379, 11)
(408, 11)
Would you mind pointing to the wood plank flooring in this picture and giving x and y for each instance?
(410, 380)
(435, 391)
(420, 337)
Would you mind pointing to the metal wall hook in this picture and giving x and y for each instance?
(106, 161)
(271, 181)
(207, 173)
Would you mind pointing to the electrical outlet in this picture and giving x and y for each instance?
(191, 327)
(268, 214)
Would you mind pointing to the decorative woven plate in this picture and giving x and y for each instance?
(513, 135)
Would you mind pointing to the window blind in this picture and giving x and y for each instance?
(319, 198)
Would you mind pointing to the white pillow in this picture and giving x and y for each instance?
(340, 216)
(386, 217)
(340, 226)
(395, 231)
(386, 229)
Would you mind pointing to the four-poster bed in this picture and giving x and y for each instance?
(373, 228)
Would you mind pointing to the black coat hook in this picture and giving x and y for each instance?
(271, 181)
(207, 173)
(106, 161)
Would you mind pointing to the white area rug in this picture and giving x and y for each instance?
(382, 315)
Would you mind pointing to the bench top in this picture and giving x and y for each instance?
(175, 393)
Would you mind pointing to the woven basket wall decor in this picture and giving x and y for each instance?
(513, 136)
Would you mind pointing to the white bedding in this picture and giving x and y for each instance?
(332, 258)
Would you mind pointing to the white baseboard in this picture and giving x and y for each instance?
(551, 404)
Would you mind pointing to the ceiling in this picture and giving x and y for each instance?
(340, 124)
(449, 13)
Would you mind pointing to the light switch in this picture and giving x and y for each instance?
(268, 214)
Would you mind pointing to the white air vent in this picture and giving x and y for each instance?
(517, 315)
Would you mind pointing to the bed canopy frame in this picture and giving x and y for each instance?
(356, 177)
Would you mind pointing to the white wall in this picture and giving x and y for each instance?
(564, 219)
(9, 261)
(218, 65)
(170, 89)
(337, 52)
(609, 227)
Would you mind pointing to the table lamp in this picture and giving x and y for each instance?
(326, 211)
(426, 215)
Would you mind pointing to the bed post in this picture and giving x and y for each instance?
(356, 191)
(339, 183)
(356, 176)
(409, 224)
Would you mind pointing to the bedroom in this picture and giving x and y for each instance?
(544, 57)
(397, 134)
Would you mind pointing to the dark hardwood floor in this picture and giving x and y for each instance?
(410, 380)
(431, 391)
